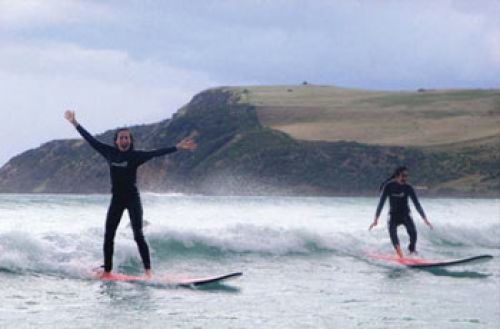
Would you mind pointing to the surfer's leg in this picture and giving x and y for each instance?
(412, 232)
(393, 234)
(135, 213)
(115, 212)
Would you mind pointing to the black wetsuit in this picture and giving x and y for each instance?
(399, 213)
(125, 195)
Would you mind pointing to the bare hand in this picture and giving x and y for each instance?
(375, 223)
(187, 144)
(70, 116)
(426, 221)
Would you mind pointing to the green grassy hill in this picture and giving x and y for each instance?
(425, 118)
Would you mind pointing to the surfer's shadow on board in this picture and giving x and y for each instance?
(455, 274)
(395, 273)
(215, 287)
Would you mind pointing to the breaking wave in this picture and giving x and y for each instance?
(71, 254)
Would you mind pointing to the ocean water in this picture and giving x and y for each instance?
(305, 263)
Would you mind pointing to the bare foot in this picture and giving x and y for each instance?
(414, 253)
(399, 252)
(105, 275)
(148, 274)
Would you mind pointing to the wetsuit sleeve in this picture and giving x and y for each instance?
(102, 148)
(383, 196)
(414, 198)
(144, 156)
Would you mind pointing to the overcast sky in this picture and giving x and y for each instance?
(127, 62)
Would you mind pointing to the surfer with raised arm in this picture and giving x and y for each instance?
(123, 161)
(398, 190)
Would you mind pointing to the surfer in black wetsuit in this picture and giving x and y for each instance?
(123, 162)
(398, 191)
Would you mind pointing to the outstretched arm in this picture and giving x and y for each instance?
(185, 144)
(420, 210)
(102, 148)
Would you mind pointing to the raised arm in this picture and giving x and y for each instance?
(102, 148)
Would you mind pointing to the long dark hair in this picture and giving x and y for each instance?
(396, 173)
(131, 137)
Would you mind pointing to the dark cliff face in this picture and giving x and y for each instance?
(71, 166)
(236, 156)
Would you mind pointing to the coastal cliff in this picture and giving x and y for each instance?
(252, 142)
